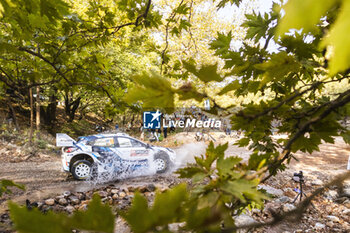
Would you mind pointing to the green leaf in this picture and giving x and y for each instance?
(243, 142)
(212, 154)
(208, 200)
(256, 160)
(346, 136)
(223, 3)
(183, 9)
(327, 128)
(243, 190)
(253, 86)
(167, 205)
(189, 171)
(225, 165)
(196, 218)
(188, 91)
(234, 85)
(97, 217)
(175, 31)
(257, 26)
(278, 67)
(233, 59)
(199, 177)
(138, 215)
(307, 144)
(153, 90)
(296, 44)
(34, 221)
(166, 209)
(221, 44)
(184, 25)
(206, 73)
(36, 21)
(4, 184)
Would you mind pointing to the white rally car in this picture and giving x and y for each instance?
(94, 154)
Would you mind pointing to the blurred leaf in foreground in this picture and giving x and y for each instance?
(167, 208)
(153, 90)
(98, 217)
(4, 184)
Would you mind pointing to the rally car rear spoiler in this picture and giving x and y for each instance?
(63, 139)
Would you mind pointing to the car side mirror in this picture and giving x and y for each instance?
(148, 146)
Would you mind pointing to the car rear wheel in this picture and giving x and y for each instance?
(82, 170)
(161, 163)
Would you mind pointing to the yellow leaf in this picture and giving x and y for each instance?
(1, 11)
(303, 14)
(338, 39)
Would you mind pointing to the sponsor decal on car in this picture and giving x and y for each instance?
(139, 153)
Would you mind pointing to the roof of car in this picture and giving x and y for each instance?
(110, 135)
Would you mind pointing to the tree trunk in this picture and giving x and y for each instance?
(132, 120)
(74, 106)
(124, 120)
(49, 113)
(71, 106)
(66, 104)
(13, 113)
(38, 111)
(31, 116)
(51, 109)
(82, 112)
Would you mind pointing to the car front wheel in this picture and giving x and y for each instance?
(161, 162)
(82, 170)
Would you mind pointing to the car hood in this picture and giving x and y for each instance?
(165, 149)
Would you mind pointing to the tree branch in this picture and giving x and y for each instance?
(144, 15)
(342, 99)
(287, 100)
(137, 21)
(172, 16)
(4, 79)
(59, 72)
(267, 41)
(296, 213)
(190, 30)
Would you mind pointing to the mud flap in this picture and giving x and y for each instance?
(63, 139)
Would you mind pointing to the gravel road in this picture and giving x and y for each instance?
(44, 178)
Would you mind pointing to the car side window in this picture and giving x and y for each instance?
(124, 142)
(136, 143)
(105, 142)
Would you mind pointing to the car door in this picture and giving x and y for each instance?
(131, 149)
(139, 149)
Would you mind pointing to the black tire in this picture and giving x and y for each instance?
(165, 159)
(78, 170)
